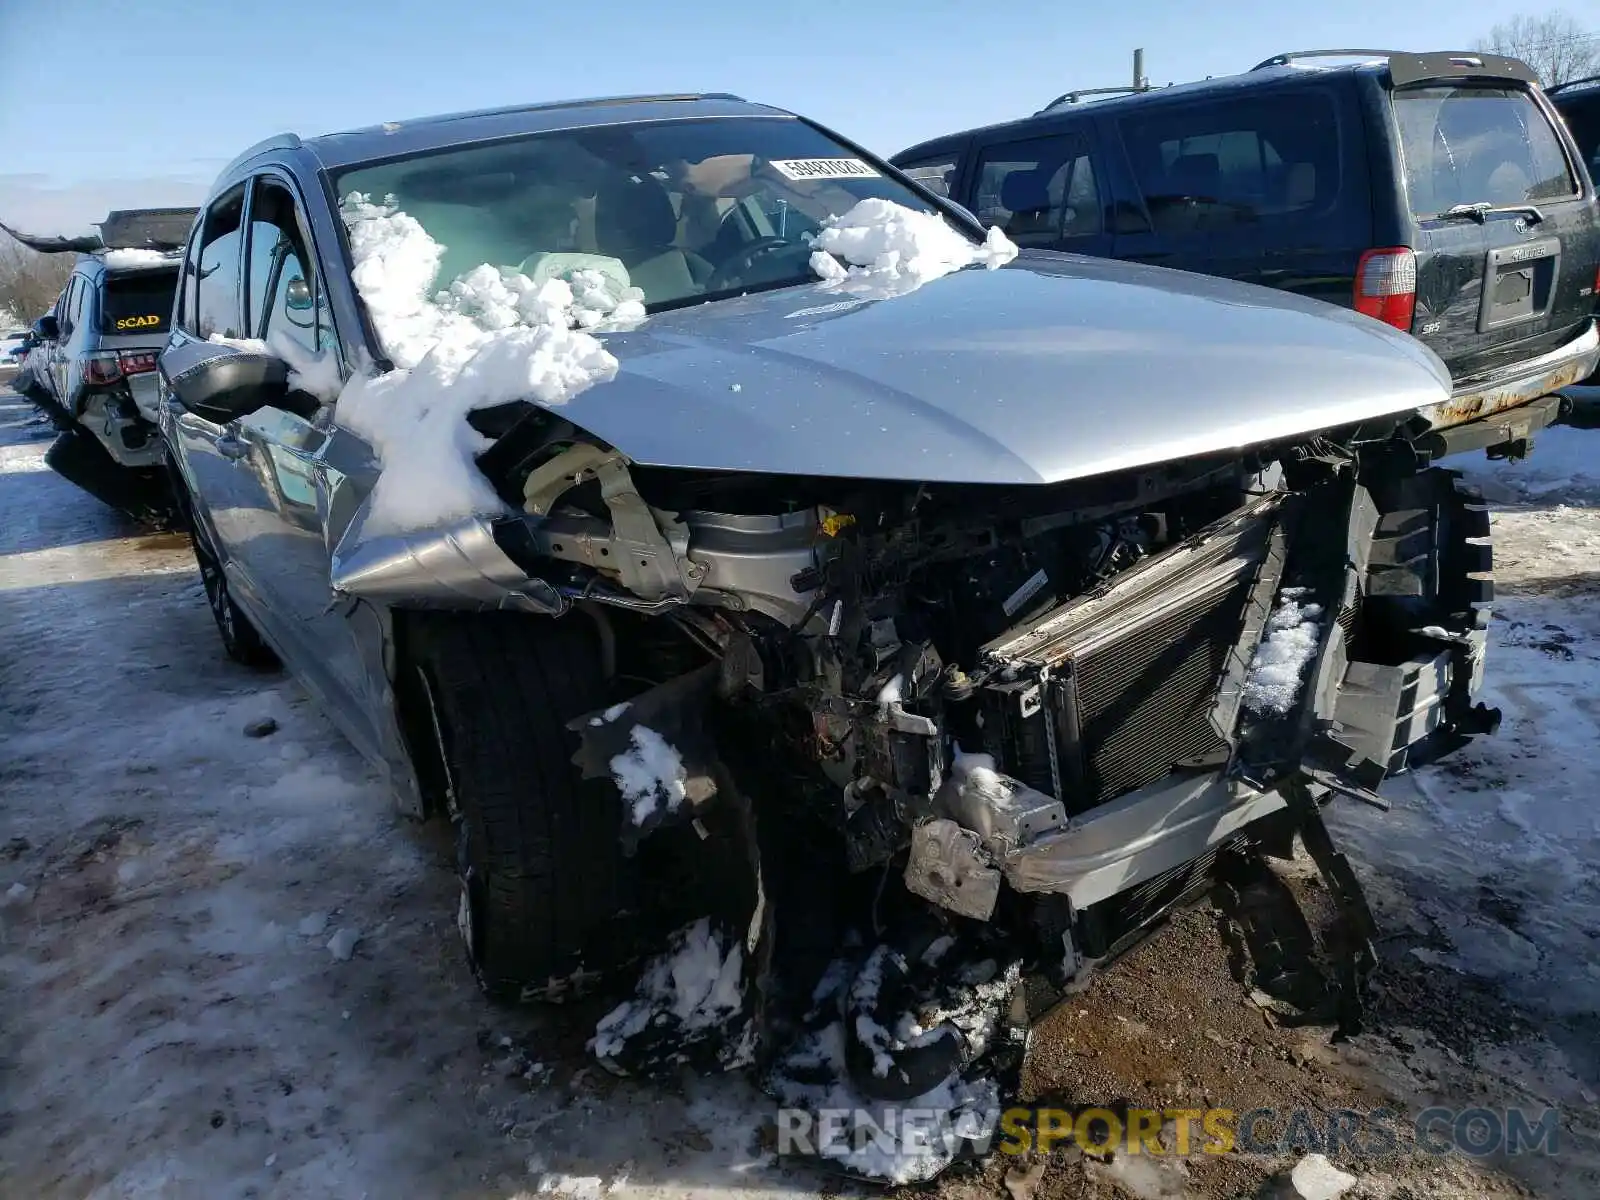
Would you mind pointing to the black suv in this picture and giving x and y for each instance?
(1439, 193)
(1578, 102)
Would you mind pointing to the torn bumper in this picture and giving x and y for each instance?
(118, 425)
(1137, 837)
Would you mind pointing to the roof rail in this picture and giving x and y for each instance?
(1409, 67)
(1283, 60)
(281, 141)
(1561, 87)
(1074, 96)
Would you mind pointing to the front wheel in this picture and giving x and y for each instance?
(545, 887)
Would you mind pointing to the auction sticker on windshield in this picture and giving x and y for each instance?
(824, 168)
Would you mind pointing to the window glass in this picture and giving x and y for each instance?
(1475, 145)
(138, 301)
(187, 299)
(685, 210)
(285, 296)
(68, 316)
(1040, 191)
(1220, 165)
(217, 301)
(935, 174)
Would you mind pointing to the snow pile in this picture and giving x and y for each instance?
(1315, 1178)
(690, 996)
(1290, 642)
(885, 1043)
(490, 337)
(118, 259)
(889, 250)
(908, 1142)
(574, 1187)
(904, 1141)
(650, 775)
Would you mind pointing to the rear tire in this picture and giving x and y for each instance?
(545, 886)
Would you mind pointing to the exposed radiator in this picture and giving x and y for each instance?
(1145, 700)
(1116, 689)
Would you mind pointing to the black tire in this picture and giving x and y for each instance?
(546, 889)
(240, 638)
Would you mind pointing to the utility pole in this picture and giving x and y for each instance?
(1139, 82)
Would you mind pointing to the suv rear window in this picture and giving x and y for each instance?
(1212, 166)
(1474, 145)
(139, 302)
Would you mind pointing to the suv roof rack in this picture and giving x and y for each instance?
(1409, 67)
(1074, 96)
(1571, 83)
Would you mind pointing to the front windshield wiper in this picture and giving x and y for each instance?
(1481, 210)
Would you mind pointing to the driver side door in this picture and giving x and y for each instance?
(290, 464)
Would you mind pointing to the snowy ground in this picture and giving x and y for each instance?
(175, 1023)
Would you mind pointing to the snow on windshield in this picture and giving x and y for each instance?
(492, 336)
(891, 250)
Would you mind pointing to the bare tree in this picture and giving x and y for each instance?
(30, 281)
(1554, 45)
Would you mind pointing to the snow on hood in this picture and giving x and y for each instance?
(492, 336)
(892, 250)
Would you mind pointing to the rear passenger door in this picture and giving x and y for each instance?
(1043, 191)
(1262, 187)
(1507, 239)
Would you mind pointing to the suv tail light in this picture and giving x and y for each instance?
(1386, 286)
(109, 366)
(102, 368)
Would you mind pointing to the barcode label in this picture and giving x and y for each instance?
(824, 168)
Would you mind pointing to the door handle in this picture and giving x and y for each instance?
(231, 447)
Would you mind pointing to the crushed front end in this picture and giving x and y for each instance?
(988, 732)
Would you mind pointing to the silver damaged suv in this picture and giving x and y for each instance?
(842, 585)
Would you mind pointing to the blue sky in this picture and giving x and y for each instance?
(186, 84)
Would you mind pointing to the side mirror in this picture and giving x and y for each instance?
(297, 295)
(46, 328)
(222, 383)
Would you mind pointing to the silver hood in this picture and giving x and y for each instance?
(1052, 368)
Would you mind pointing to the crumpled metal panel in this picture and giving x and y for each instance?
(948, 868)
(455, 566)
